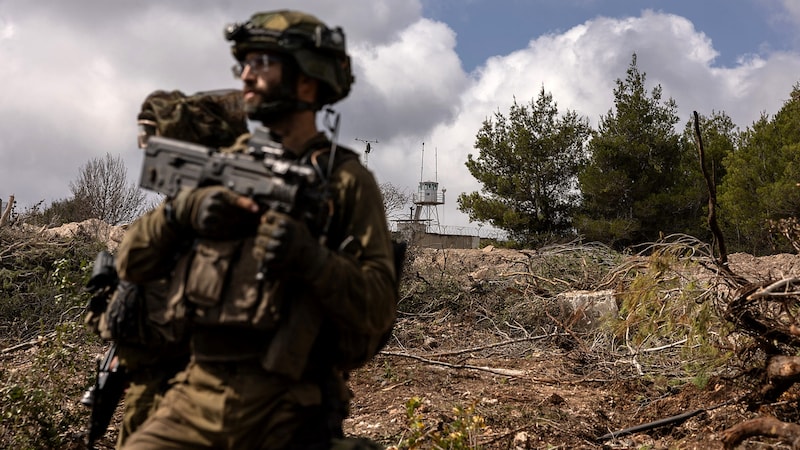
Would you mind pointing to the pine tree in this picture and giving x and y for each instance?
(528, 165)
(628, 185)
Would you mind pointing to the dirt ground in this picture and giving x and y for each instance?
(534, 388)
(551, 396)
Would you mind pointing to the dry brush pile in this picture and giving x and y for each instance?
(675, 319)
(678, 319)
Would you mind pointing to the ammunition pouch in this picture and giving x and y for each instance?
(141, 315)
(221, 287)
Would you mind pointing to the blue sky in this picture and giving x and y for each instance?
(73, 74)
(487, 28)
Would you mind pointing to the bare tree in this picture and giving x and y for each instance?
(394, 200)
(102, 191)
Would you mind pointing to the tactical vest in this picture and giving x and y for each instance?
(218, 280)
(233, 314)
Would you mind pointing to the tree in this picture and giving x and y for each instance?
(760, 183)
(628, 185)
(691, 192)
(394, 200)
(528, 165)
(102, 191)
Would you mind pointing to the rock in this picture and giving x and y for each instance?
(520, 441)
(589, 306)
(482, 274)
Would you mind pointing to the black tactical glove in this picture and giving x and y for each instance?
(285, 244)
(212, 212)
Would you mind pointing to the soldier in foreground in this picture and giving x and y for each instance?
(278, 306)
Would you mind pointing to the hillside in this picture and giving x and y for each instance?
(489, 351)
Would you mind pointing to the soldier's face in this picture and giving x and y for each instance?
(261, 75)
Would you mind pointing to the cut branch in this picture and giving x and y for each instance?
(496, 371)
(763, 426)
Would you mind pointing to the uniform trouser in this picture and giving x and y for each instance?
(147, 384)
(141, 398)
(235, 406)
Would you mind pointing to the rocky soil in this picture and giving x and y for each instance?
(539, 391)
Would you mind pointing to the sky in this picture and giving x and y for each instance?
(428, 74)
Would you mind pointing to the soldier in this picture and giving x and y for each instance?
(270, 354)
(149, 353)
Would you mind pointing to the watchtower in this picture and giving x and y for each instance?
(428, 198)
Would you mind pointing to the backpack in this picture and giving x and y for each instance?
(211, 118)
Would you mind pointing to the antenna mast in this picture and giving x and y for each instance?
(422, 163)
(367, 149)
(435, 163)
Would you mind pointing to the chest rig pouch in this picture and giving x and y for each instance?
(221, 289)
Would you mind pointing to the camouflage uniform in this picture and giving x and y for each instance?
(270, 357)
(153, 352)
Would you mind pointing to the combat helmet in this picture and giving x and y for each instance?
(318, 51)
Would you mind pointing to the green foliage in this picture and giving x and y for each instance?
(760, 183)
(458, 431)
(632, 185)
(41, 282)
(57, 213)
(39, 405)
(662, 307)
(528, 164)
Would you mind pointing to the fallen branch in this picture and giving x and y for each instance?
(497, 344)
(781, 373)
(770, 290)
(672, 420)
(763, 426)
(496, 371)
(27, 345)
(664, 347)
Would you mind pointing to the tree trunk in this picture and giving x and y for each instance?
(7, 212)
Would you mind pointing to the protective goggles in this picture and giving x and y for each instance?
(257, 63)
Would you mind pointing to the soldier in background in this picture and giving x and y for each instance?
(270, 354)
(149, 353)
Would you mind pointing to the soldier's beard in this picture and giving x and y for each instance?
(271, 105)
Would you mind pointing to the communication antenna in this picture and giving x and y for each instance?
(435, 163)
(422, 164)
(367, 149)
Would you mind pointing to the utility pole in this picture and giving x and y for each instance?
(368, 149)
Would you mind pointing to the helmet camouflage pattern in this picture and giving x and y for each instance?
(319, 51)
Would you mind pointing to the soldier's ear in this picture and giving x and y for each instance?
(307, 88)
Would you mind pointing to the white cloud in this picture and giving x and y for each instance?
(791, 8)
(7, 30)
(580, 66)
(73, 77)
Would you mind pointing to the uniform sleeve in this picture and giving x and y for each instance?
(147, 250)
(357, 289)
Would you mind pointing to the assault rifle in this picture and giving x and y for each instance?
(110, 382)
(261, 173)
